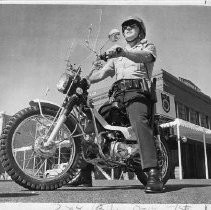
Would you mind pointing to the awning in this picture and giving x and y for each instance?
(192, 131)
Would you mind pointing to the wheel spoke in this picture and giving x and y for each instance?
(35, 160)
(40, 167)
(163, 160)
(29, 159)
(78, 135)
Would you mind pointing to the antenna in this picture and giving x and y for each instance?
(46, 91)
(101, 12)
(89, 35)
(87, 42)
(71, 49)
(68, 65)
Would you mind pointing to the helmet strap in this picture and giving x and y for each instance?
(135, 40)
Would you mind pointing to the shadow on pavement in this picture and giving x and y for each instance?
(15, 195)
(101, 188)
(170, 188)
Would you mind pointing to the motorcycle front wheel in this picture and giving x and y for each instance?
(22, 154)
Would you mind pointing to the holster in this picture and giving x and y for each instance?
(153, 96)
(153, 101)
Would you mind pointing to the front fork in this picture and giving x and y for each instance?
(62, 118)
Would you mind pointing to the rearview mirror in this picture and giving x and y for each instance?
(114, 35)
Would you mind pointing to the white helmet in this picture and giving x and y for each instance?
(137, 20)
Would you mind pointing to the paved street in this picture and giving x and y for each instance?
(104, 191)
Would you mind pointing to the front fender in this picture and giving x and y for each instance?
(43, 103)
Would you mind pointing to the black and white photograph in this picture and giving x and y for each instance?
(105, 105)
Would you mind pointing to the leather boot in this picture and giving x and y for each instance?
(154, 183)
(85, 177)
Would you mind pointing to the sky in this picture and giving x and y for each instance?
(36, 40)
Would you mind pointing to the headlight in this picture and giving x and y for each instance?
(63, 82)
(79, 91)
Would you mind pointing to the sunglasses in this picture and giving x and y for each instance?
(132, 25)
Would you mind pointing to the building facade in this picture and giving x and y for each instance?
(179, 98)
(190, 103)
(195, 107)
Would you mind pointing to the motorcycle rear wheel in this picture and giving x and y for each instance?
(164, 161)
(164, 165)
(36, 170)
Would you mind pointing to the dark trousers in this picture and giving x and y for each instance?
(137, 107)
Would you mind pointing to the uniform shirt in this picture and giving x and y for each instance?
(123, 68)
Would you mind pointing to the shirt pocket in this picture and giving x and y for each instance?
(132, 65)
(119, 63)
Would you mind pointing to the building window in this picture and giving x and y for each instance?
(183, 112)
(194, 117)
(204, 121)
(176, 107)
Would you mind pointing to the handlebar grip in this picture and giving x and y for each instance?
(103, 57)
(118, 49)
(106, 56)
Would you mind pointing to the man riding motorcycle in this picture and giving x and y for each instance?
(132, 67)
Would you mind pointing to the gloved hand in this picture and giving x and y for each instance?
(85, 82)
(115, 52)
(97, 65)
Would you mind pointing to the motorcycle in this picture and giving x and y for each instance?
(44, 146)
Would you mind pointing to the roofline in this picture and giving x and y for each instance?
(186, 87)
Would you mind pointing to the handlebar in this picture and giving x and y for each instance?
(105, 56)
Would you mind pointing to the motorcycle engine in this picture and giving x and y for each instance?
(116, 147)
(121, 151)
(113, 145)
